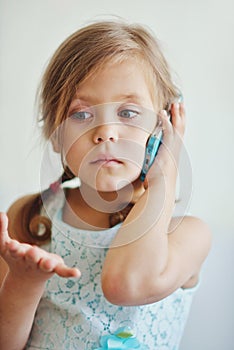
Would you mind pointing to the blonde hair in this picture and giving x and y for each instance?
(88, 50)
(77, 58)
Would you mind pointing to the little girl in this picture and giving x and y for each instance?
(103, 264)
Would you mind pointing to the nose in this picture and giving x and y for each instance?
(105, 133)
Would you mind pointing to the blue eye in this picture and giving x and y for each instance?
(128, 113)
(82, 115)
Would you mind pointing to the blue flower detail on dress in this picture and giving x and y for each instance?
(123, 338)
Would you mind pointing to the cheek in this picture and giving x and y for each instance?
(136, 146)
(75, 146)
(72, 164)
(73, 155)
(132, 149)
(71, 139)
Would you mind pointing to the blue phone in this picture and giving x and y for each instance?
(151, 150)
(153, 144)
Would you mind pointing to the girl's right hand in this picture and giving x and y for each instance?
(169, 151)
(30, 263)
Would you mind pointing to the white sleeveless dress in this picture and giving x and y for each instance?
(73, 314)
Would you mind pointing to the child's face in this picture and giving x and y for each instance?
(107, 151)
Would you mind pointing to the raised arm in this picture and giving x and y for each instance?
(24, 272)
(146, 262)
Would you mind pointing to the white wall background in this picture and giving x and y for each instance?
(197, 38)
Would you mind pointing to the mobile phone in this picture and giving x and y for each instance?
(151, 150)
(153, 144)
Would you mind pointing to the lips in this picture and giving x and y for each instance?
(105, 159)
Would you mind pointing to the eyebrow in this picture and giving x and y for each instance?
(131, 96)
(93, 100)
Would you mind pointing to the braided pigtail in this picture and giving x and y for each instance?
(27, 223)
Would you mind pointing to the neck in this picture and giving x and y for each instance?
(88, 209)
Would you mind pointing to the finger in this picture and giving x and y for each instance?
(64, 271)
(182, 110)
(165, 121)
(178, 110)
(54, 264)
(34, 255)
(16, 249)
(175, 112)
(4, 237)
(178, 117)
(48, 263)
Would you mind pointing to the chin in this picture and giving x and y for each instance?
(111, 186)
(114, 185)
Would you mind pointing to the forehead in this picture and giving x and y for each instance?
(115, 82)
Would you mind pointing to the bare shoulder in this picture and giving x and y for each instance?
(190, 228)
(189, 223)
